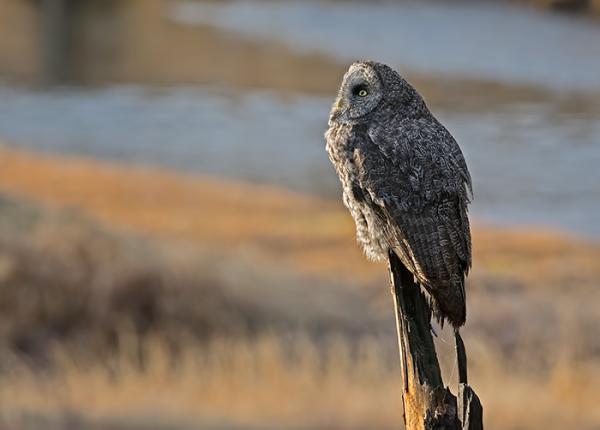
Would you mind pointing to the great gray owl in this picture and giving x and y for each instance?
(405, 182)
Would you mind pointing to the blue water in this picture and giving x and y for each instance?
(530, 163)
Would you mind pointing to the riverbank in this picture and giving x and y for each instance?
(311, 234)
(591, 7)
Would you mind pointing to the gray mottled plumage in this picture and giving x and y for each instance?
(405, 182)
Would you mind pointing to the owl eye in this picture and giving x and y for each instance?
(360, 90)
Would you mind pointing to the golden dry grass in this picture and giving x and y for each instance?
(266, 383)
(254, 383)
(169, 205)
(307, 233)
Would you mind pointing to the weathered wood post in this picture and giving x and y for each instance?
(427, 403)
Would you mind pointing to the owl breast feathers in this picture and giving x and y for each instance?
(405, 182)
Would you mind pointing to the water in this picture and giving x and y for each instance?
(530, 164)
(474, 39)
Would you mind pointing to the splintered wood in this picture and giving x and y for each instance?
(427, 403)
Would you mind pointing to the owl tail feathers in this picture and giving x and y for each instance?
(449, 304)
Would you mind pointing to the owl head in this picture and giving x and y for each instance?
(369, 87)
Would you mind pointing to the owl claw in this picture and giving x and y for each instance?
(433, 332)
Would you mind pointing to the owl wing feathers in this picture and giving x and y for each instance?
(416, 175)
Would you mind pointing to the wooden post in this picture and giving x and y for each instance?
(427, 403)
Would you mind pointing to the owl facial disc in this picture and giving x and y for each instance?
(359, 94)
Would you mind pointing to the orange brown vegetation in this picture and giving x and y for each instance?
(261, 384)
(308, 233)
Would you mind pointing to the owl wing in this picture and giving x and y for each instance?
(417, 179)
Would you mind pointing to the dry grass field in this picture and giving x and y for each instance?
(139, 298)
(260, 384)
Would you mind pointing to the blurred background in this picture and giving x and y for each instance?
(173, 249)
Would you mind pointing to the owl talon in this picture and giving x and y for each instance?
(433, 332)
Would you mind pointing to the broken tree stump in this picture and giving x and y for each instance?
(427, 403)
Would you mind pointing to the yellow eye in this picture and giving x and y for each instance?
(363, 93)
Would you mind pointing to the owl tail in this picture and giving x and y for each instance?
(449, 303)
